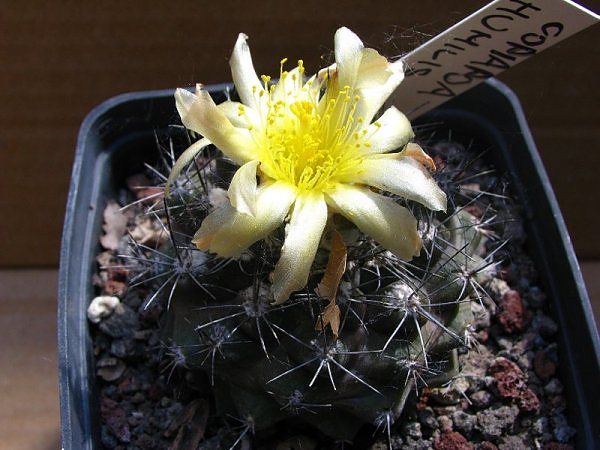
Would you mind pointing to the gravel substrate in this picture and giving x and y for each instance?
(507, 395)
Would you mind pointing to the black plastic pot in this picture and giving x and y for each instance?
(119, 135)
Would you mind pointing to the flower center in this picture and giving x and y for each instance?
(310, 137)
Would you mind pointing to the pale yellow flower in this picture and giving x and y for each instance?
(316, 150)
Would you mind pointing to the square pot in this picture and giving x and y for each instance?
(118, 136)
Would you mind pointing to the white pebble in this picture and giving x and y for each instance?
(101, 307)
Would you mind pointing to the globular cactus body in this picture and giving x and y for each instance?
(400, 324)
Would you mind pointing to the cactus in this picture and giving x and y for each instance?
(367, 328)
(400, 322)
(400, 325)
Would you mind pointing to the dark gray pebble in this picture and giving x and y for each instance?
(121, 323)
(493, 422)
(464, 422)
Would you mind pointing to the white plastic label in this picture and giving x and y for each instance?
(493, 39)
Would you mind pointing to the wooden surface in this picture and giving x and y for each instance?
(28, 360)
(60, 59)
(29, 417)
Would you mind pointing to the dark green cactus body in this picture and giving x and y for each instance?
(400, 324)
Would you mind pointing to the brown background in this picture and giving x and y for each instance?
(59, 59)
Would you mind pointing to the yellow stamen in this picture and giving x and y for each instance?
(307, 145)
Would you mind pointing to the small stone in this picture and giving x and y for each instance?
(505, 343)
(547, 437)
(146, 442)
(121, 323)
(557, 403)
(427, 418)
(446, 410)
(511, 383)
(529, 401)
(557, 446)
(525, 360)
(524, 283)
(512, 443)
(121, 348)
(128, 385)
(107, 438)
(412, 429)
(395, 442)
(417, 444)
(110, 371)
(525, 422)
(445, 423)
(114, 287)
(489, 381)
(543, 366)
(132, 299)
(481, 399)
(498, 287)
(138, 398)
(541, 426)
(482, 336)
(536, 297)
(451, 440)
(115, 419)
(554, 387)
(512, 316)
(493, 422)
(562, 431)
(143, 335)
(486, 445)
(464, 422)
(101, 307)
(544, 325)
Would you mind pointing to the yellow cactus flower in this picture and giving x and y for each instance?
(315, 149)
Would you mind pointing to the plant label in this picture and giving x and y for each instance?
(489, 41)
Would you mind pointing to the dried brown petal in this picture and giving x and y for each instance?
(327, 288)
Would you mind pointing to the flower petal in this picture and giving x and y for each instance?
(374, 69)
(348, 56)
(403, 176)
(390, 132)
(228, 232)
(370, 74)
(303, 235)
(372, 92)
(186, 157)
(416, 152)
(240, 116)
(247, 83)
(242, 189)
(199, 113)
(390, 224)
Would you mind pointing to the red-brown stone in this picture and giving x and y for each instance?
(115, 419)
(543, 366)
(512, 383)
(512, 315)
(451, 440)
(486, 445)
